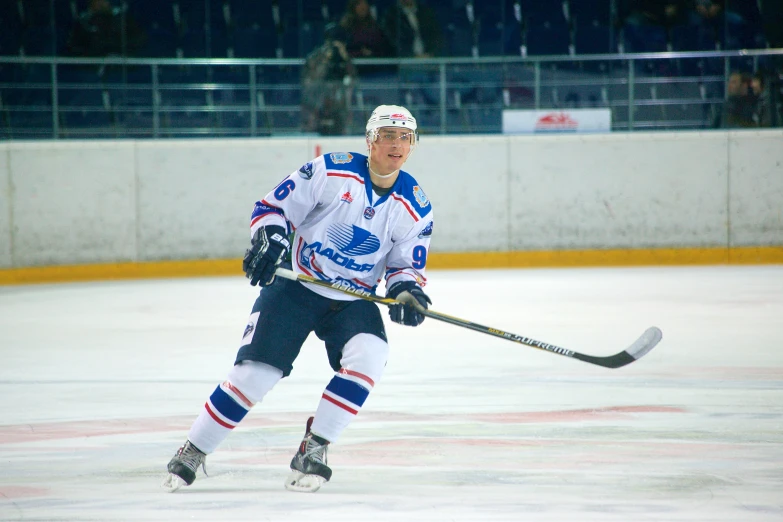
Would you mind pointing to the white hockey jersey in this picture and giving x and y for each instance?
(344, 231)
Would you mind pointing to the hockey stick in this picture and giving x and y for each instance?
(641, 346)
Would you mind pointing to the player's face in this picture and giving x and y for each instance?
(391, 149)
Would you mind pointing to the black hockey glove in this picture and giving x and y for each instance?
(408, 294)
(269, 246)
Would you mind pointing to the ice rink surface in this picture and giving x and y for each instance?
(101, 381)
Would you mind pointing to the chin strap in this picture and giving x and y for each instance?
(380, 175)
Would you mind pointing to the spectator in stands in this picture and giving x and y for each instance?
(328, 77)
(104, 30)
(740, 105)
(413, 29)
(762, 114)
(364, 37)
(732, 26)
(664, 13)
(646, 23)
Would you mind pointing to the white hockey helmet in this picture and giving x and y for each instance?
(390, 116)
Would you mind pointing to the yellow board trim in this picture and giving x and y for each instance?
(462, 260)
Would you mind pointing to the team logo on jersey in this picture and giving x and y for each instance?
(306, 171)
(341, 157)
(421, 197)
(427, 232)
(353, 240)
(369, 213)
(346, 198)
(248, 329)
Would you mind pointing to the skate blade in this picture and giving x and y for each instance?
(173, 483)
(298, 481)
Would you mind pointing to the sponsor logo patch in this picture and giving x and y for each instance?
(306, 170)
(421, 197)
(248, 329)
(346, 198)
(341, 157)
(427, 232)
(397, 117)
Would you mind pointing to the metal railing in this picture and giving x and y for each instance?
(56, 98)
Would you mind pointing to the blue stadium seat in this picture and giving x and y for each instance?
(687, 38)
(253, 43)
(10, 40)
(312, 36)
(290, 42)
(217, 15)
(36, 13)
(336, 8)
(542, 11)
(593, 39)
(590, 12)
(153, 15)
(251, 13)
(193, 16)
(644, 38)
(218, 42)
(548, 39)
(491, 36)
(39, 41)
(193, 44)
(161, 43)
(459, 38)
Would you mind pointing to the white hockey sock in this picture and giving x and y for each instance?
(247, 383)
(364, 357)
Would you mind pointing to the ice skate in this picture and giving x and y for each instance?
(182, 467)
(308, 467)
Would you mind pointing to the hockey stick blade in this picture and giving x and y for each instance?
(651, 337)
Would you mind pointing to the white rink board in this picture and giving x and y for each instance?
(196, 197)
(73, 202)
(756, 189)
(5, 208)
(619, 191)
(113, 201)
(466, 178)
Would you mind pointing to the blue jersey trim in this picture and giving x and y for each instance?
(408, 188)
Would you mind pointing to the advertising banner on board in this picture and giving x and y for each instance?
(569, 120)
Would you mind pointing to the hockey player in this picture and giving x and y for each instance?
(357, 219)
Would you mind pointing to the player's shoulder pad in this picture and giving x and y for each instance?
(344, 160)
(411, 191)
